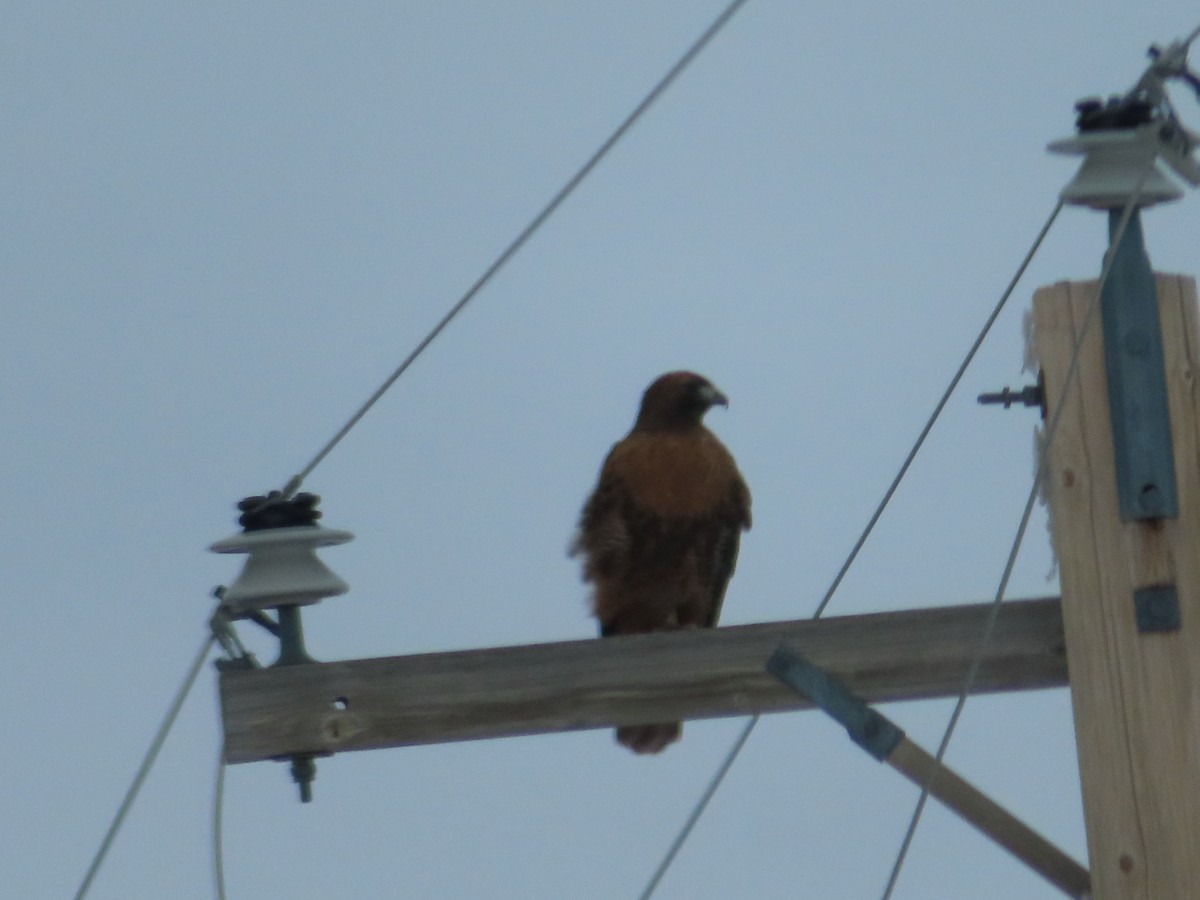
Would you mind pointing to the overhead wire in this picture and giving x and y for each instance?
(156, 744)
(526, 233)
(697, 811)
(1035, 490)
(937, 410)
(217, 830)
(727, 763)
(293, 485)
(1039, 479)
(740, 741)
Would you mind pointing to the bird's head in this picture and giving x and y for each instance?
(678, 400)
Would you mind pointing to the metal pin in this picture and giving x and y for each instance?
(1030, 395)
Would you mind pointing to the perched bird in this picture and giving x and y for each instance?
(659, 535)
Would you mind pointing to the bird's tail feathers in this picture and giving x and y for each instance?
(643, 739)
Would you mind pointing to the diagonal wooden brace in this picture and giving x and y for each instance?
(880, 737)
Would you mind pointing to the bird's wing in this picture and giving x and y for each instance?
(728, 523)
(603, 537)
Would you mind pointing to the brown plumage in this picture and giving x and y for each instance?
(659, 535)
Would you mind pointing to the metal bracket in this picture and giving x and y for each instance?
(1137, 385)
(1156, 608)
(1123, 141)
(871, 730)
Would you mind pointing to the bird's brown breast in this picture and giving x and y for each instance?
(675, 475)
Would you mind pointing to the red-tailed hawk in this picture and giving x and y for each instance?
(659, 535)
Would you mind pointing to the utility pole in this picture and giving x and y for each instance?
(1130, 604)
(1122, 479)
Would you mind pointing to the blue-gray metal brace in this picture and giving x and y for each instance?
(871, 730)
(1137, 386)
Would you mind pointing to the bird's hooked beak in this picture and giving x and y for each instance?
(711, 396)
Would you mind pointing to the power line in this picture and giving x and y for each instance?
(526, 233)
(294, 484)
(698, 811)
(147, 762)
(752, 722)
(1039, 477)
(218, 816)
(937, 410)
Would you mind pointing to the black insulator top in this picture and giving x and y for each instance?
(1119, 112)
(274, 511)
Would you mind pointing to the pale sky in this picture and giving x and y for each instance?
(225, 225)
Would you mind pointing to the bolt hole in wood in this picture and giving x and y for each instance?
(332, 725)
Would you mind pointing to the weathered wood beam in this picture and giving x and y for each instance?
(500, 692)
